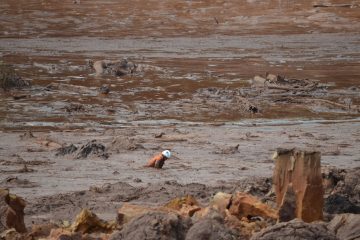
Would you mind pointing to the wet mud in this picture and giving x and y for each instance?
(220, 84)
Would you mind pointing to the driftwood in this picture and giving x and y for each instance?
(344, 5)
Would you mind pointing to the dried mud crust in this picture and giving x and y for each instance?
(105, 199)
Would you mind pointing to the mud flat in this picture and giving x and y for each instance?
(220, 84)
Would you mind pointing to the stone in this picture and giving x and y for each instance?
(130, 211)
(258, 81)
(221, 202)
(154, 226)
(211, 229)
(302, 170)
(346, 226)
(295, 229)
(186, 205)
(88, 222)
(246, 206)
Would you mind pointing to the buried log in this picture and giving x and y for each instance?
(297, 181)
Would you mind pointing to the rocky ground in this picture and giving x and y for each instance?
(90, 90)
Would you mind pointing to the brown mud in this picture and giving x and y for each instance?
(194, 93)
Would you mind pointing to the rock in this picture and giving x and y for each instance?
(154, 226)
(337, 203)
(186, 206)
(221, 202)
(129, 211)
(88, 222)
(177, 203)
(346, 226)
(245, 205)
(295, 229)
(92, 148)
(302, 170)
(211, 229)
(258, 81)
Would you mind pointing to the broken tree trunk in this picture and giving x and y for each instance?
(298, 173)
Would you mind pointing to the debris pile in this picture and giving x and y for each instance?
(9, 79)
(342, 188)
(220, 99)
(92, 148)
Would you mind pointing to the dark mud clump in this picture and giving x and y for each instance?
(92, 148)
(74, 108)
(342, 187)
(337, 203)
(66, 150)
(9, 79)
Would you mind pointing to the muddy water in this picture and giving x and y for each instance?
(204, 54)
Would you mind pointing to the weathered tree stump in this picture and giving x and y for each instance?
(298, 173)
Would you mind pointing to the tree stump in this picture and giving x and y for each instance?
(298, 173)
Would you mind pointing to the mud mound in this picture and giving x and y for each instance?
(92, 148)
(116, 68)
(9, 79)
(124, 143)
(211, 229)
(295, 229)
(346, 226)
(272, 81)
(337, 203)
(154, 226)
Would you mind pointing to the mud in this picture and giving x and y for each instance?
(220, 84)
